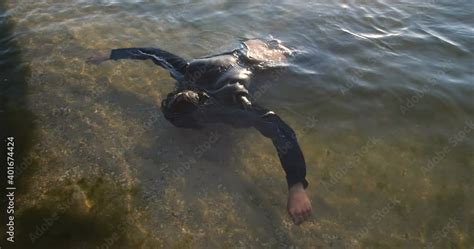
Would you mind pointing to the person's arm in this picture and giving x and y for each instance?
(98, 58)
(292, 160)
(286, 144)
(282, 136)
(175, 64)
(269, 125)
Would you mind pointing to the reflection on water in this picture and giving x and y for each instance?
(379, 93)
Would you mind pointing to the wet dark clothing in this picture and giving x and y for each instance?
(221, 79)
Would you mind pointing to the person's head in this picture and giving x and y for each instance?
(177, 108)
(182, 102)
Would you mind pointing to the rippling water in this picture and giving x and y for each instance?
(380, 95)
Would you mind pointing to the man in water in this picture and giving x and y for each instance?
(214, 89)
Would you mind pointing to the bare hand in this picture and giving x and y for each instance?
(299, 205)
(98, 58)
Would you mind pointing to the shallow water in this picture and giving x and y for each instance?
(379, 94)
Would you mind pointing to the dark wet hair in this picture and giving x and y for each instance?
(178, 106)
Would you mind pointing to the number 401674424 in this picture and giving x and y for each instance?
(10, 160)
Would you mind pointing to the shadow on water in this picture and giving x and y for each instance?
(84, 213)
(215, 172)
(15, 119)
(92, 212)
(75, 215)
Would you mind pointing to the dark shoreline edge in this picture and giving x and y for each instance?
(15, 118)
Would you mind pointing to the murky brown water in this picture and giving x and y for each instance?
(380, 95)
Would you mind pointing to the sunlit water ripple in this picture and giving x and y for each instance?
(380, 94)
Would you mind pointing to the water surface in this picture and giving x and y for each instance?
(379, 94)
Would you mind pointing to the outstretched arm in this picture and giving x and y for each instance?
(98, 58)
(282, 136)
(292, 160)
(269, 125)
(173, 63)
(286, 144)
